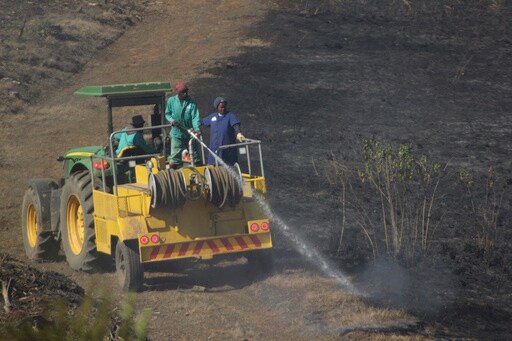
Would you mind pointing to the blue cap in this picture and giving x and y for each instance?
(218, 101)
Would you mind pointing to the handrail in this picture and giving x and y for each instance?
(246, 144)
(114, 159)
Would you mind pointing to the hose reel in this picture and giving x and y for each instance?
(223, 186)
(168, 189)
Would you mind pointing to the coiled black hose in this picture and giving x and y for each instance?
(224, 187)
(168, 189)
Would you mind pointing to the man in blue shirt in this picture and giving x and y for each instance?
(224, 129)
(133, 138)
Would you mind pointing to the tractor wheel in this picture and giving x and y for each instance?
(39, 244)
(128, 267)
(261, 262)
(77, 222)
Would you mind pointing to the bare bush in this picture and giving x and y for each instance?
(484, 210)
(392, 198)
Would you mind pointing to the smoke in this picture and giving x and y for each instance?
(421, 291)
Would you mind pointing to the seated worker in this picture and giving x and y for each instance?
(224, 129)
(133, 138)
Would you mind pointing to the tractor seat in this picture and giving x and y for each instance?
(132, 151)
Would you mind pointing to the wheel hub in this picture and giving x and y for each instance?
(32, 225)
(75, 225)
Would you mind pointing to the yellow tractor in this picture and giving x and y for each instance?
(135, 208)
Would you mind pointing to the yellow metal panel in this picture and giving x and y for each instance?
(159, 163)
(229, 221)
(102, 235)
(257, 183)
(247, 190)
(131, 227)
(105, 205)
(192, 219)
(253, 211)
(260, 185)
(133, 199)
(154, 223)
(141, 174)
(227, 215)
(104, 230)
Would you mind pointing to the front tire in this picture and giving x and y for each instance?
(77, 222)
(39, 245)
(128, 267)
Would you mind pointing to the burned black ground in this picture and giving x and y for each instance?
(322, 76)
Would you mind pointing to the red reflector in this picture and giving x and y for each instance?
(155, 239)
(254, 227)
(97, 164)
(264, 225)
(144, 240)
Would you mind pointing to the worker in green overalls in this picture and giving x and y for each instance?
(182, 112)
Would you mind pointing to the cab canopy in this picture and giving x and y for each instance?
(121, 95)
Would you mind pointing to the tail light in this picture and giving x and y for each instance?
(155, 238)
(255, 227)
(144, 240)
(264, 226)
(97, 164)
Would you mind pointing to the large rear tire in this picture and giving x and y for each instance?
(77, 222)
(129, 273)
(39, 245)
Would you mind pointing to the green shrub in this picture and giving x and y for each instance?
(94, 319)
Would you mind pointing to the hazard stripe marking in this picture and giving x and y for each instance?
(226, 244)
(212, 246)
(154, 252)
(183, 249)
(203, 247)
(241, 242)
(255, 240)
(168, 251)
(198, 247)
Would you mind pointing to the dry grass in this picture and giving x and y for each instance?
(337, 311)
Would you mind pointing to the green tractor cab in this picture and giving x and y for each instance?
(120, 95)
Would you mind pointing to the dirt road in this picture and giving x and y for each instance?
(305, 81)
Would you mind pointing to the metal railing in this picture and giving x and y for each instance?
(113, 160)
(245, 145)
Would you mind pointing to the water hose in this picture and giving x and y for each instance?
(224, 187)
(223, 184)
(168, 189)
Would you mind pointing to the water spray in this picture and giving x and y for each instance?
(301, 245)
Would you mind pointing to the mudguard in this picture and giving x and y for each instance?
(44, 189)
